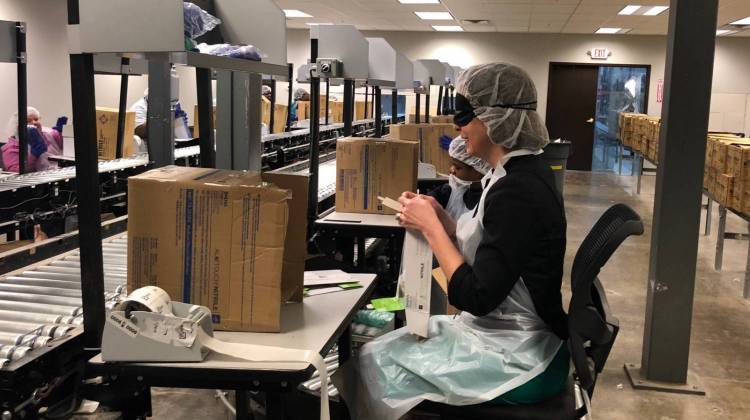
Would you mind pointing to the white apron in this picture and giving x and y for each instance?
(467, 360)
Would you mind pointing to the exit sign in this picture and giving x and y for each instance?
(600, 53)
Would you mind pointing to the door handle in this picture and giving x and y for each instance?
(590, 120)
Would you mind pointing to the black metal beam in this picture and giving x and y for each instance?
(312, 196)
(416, 114)
(290, 75)
(23, 141)
(348, 106)
(679, 181)
(273, 107)
(440, 100)
(121, 108)
(394, 106)
(427, 106)
(446, 101)
(206, 118)
(365, 115)
(328, 98)
(87, 189)
(377, 110)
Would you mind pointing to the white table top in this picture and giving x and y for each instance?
(310, 325)
(360, 219)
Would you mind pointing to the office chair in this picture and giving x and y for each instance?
(592, 331)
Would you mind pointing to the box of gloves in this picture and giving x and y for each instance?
(106, 133)
(370, 168)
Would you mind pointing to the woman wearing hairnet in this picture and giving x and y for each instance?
(299, 95)
(43, 142)
(463, 190)
(505, 274)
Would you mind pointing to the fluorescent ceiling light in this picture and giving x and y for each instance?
(450, 28)
(318, 24)
(724, 32)
(608, 30)
(294, 13)
(419, 1)
(629, 10)
(434, 15)
(656, 10)
(742, 22)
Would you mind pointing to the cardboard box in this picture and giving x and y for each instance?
(295, 244)
(416, 282)
(724, 184)
(211, 237)
(335, 110)
(106, 133)
(434, 119)
(439, 304)
(368, 168)
(428, 136)
(196, 122)
(279, 115)
(720, 156)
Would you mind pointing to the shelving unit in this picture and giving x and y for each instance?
(13, 51)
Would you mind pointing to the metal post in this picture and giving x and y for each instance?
(365, 115)
(206, 118)
(312, 197)
(746, 290)
(23, 141)
(121, 109)
(679, 182)
(328, 98)
(87, 191)
(290, 75)
(446, 101)
(427, 107)
(224, 130)
(160, 114)
(416, 114)
(720, 236)
(247, 143)
(273, 107)
(394, 106)
(709, 208)
(640, 171)
(348, 106)
(378, 113)
(440, 100)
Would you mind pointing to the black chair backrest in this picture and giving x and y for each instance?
(591, 326)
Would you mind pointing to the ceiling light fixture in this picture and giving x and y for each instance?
(609, 31)
(629, 10)
(721, 32)
(318, 23)
(742, 22)
(656, 10)
(434, 15)
(419, 1)
(449, 28)
(294, 13)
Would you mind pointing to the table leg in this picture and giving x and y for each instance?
(709, 206)
(242, 404)
(720, 238)
(361, 249)
(345, 345)
(274, 406)
(640, 172)
(746, 291)
(619, 159)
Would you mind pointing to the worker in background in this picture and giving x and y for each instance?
(463, 190)
(504, 265)
(140, 107)
(267, 92)
(42, 143)
(299, 95)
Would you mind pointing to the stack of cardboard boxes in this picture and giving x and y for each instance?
(106, 133)
(434, 119)
(335, 110)
(428, 137)
(726, 173)
(279, 115)
(641, 133)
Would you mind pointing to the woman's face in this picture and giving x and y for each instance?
(35, 120)
(477, 142)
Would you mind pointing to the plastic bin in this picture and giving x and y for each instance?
(556, 155)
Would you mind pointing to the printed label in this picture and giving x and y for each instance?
(123, 324)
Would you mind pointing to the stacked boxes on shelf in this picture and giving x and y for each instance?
(640, 132)
(727, 171)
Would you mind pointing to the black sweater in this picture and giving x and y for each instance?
(524, 236)
(471, 196)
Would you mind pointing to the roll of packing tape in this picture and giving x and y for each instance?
(155, 299)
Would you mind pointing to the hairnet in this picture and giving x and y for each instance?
(457, 150)
(12, 128)
(266, 90)
(299, 93)
(504, 99)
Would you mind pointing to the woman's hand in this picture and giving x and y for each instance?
(448, 223)
(418, 213)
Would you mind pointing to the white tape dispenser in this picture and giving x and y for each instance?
(149, 327)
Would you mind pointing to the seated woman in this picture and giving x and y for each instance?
(504, 262)
(42, 142)
(463, 190)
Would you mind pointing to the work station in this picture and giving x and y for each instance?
(393, 209)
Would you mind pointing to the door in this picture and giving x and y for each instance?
(571, 106)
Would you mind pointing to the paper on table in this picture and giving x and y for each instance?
(325, 277)
(339, 288)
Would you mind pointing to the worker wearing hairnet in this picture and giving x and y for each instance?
(42, 143)
(299, 95)
(503, 262)
(463, 190)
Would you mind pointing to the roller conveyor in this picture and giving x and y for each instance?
(42, 303)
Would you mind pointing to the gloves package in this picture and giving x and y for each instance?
(36, 141)
(245, 52)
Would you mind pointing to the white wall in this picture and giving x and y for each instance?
(48, 67)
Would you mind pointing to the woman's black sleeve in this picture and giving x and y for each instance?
(508, 224)
(442, 194)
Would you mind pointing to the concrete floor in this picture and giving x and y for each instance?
(720, 350)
